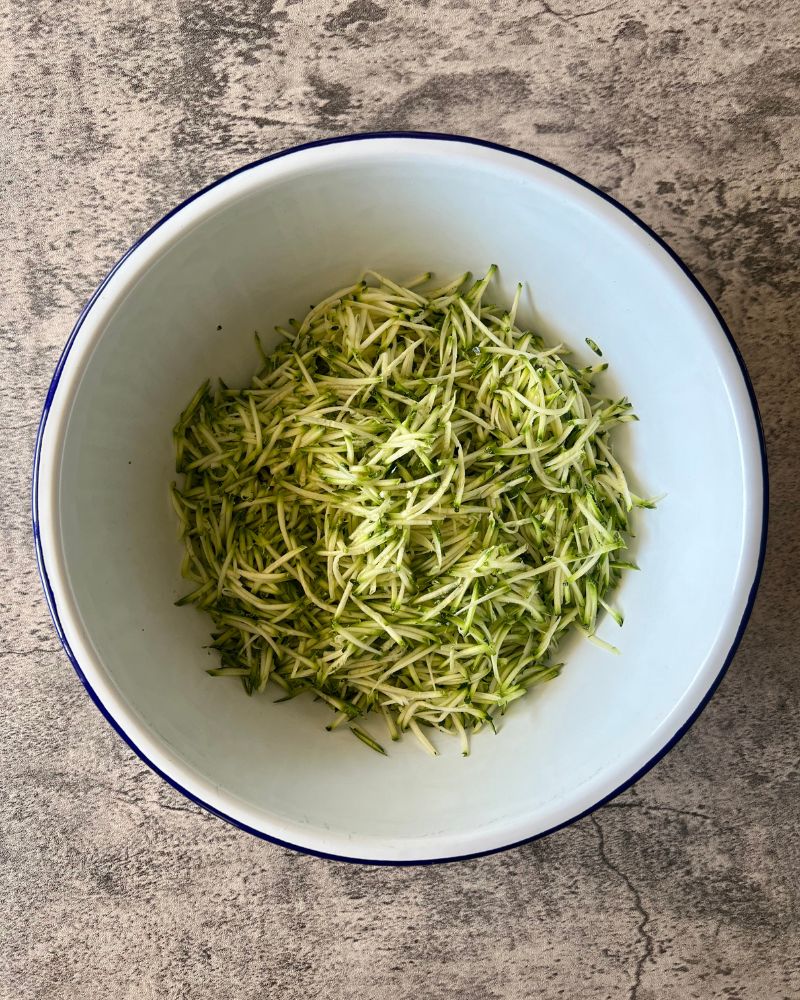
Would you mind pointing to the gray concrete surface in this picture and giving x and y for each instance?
(113, 886)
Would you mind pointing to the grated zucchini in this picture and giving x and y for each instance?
(405, 510)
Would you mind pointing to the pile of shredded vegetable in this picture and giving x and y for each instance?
(405, 510)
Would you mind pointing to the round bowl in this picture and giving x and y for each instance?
(259, 246)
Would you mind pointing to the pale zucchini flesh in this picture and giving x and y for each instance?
(405, 510)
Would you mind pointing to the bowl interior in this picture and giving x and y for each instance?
(262, 247)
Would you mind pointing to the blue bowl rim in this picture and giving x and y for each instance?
(359, 137)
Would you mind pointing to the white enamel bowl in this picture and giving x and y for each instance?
(262, 245)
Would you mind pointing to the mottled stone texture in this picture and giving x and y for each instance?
(115, 887)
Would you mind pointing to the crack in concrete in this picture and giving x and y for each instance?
(568, 18)
(142, 802)
(37, 651)
(642, 928)
(589, 13)
(192, 811)
(645, 807)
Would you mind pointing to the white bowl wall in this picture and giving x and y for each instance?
(262, 246)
